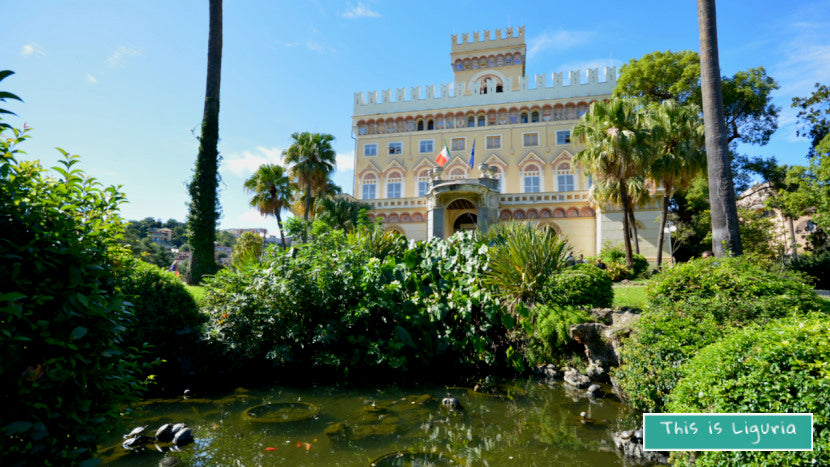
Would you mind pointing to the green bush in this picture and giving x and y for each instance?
(166, 322)
(695, 304)
(614, 259)
(651, 359)
(780, 367)
(736, 290)
(63, 373)
(580, 285)
(550, 326)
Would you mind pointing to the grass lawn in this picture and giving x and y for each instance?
(630, 295)
(197, 291)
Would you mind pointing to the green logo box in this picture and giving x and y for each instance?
(728, 432)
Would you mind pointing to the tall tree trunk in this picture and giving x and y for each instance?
(629, 257)
(724, 212)
(204, 204)
(792, 237)
(634, 233)
(279, 224)
(662, 231)
(307, 200)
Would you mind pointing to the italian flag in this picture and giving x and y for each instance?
(443, 156)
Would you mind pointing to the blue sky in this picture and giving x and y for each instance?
(122, 82)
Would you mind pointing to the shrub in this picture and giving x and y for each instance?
(614, 259)
(581, 285)
(247, 250)
(521, 259)
(695, 304)
(780, 367)
(166, 322)
(62, 370)
(550, 326)
(736, 290)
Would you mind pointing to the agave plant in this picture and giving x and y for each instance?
(522, 257)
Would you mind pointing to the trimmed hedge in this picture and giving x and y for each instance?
(781, 367)
(580, 285)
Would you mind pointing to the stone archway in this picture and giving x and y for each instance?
(461, 214)
(466, 221)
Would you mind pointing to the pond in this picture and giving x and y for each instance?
(519, 422)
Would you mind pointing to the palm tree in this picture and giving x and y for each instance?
(726, 234)
(677, 154)
(313, 162)
(341, 213)
(614, 151)
(204, 204)
(272, 190)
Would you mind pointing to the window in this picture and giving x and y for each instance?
(395, 148)
(534, 116)
(481, 120)
(458, 144)
(393, 185)
(589, 181)
(532, 178)
(423, 183)
(471, 121)
(524, 117)
(425, 145)
(494, 142)
(369, 187)
(420, 125)
(430, 124)
(530, 139)
(563, 137)
(564, 177)
(370, 149)
(565, 182)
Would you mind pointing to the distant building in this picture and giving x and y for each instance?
(162, 235)
(511, 155)
(785, 229)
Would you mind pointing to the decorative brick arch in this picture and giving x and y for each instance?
(519, 215)
(550, 225)
(586, 212)
(558, 212)
(532, 214)
(572, 212)
(417, 217)
(405, 217)
(545, 213)
(505, 215)
(395, 228)
(393, 218)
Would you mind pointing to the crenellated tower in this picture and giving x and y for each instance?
(489, 60)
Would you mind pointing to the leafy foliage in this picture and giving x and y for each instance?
(166, 323)
(273, 190)
(247, 250)
(780, 367)
(62, 368)
(660, 76)
(614, 259)
(312, 161)
(550, 325)
(695, 304)
(522, 258)
(582, 285)
(342, 213)
(6, 95)
(364, 301)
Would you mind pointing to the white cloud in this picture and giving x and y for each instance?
(252, 217)
(91, 78)
(557, 40)
(117, 58)
(315, 47)
(345, 162)
(361, 11)
(32, 49)
(248, 162)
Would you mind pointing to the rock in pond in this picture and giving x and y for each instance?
(575, 379)
(630, 442)
(595, 391)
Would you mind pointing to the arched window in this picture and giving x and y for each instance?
(420, 125)
(430, 124)
(471, 121)
(564, 177)
(393, 185)
(531, 179)
(524, 117)
(369, 185)
(482, 120)
(534, 116)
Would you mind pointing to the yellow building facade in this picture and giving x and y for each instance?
(509, 143)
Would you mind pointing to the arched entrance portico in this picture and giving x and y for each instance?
(461, 214)
(462, 204)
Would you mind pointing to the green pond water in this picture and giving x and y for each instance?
(528, 423)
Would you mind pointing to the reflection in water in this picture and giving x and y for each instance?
(525, 423)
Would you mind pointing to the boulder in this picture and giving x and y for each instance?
(576, 379)
(630, 442)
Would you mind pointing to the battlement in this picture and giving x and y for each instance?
(486, 40)
(576, 83)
